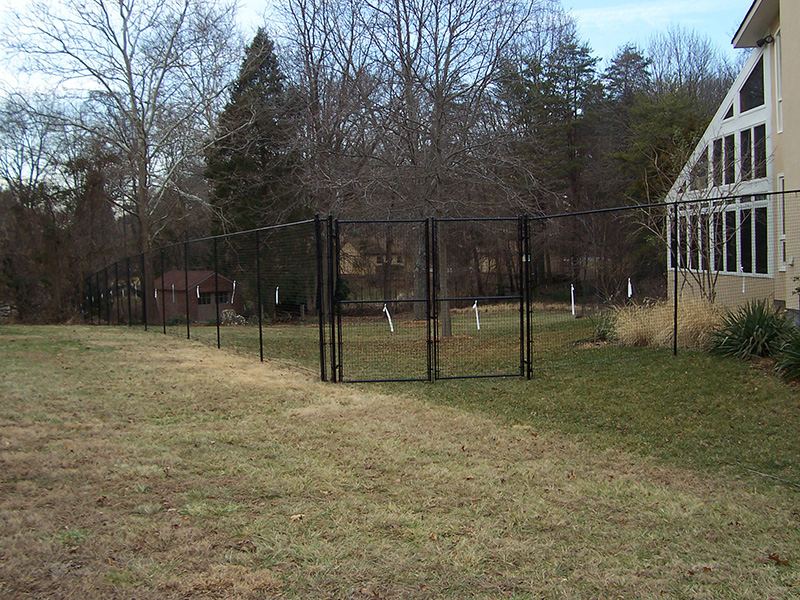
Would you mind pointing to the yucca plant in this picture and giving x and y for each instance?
(789, 362)
(755, 330)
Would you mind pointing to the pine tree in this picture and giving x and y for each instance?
(250, 166)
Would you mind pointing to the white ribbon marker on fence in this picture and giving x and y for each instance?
(477, 318)
(744, 280)
(155, 293)
(173, 293)
(234, 291)
(277, 296)
(630, 288)
(572, 294)
(388, 316)
(198, 292)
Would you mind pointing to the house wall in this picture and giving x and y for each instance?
(782, 115)
(729, 289)
(176, 306)
(788, 141)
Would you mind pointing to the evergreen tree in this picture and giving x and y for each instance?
(250, 166)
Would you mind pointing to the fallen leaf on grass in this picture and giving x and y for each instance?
(297, 517)
(775, 557)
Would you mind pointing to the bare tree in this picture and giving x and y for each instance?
(686, 61)
(401, 110)
(146, 76)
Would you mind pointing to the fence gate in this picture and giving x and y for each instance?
(420, 300)
(381, 299)
(479, 298)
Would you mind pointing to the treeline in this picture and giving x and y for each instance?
(162, 125)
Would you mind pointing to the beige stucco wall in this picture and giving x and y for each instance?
(728, 289)
(787, 143)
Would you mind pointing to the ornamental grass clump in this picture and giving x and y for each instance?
(653, 324)
(754, 330)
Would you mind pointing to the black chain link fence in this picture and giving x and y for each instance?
(430, 299)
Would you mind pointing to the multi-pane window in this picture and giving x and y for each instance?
(724, 237)
(752, 155)
(206, 297)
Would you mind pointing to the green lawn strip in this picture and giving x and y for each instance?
(692, 410)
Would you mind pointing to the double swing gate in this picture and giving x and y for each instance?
(427, 299)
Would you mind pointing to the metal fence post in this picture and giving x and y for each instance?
(429, 300)
(130, 301)
(332, 289)
(108, 294)
(163, 293)
(216, 292)
(522, 304)
(320, 296)
(90, 299)
(186, 286)
(260, 307)
(144, 292)
(433, 283)
(116, 291)
(675, 263)
(528, 293)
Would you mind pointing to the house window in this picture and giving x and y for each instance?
(718, 229)
(752, 93)
(746, 240)
(760, 151)
(731, 261)
(729, 114)
(730, 159)
(205, 298)
(716, 163)
(732, 238)
(699, 179)
(760, 240)
(746, 149)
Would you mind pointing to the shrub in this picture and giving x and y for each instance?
(755, 330)
(789, 362)
(653, 324)
(605, 329)
(176, 320)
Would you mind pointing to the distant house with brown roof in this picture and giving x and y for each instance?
(205, 291)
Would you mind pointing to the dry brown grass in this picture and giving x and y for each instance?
(651, 325)
(139, 466)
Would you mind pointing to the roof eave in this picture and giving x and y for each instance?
(756, 23)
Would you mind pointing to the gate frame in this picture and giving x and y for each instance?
(431, 299)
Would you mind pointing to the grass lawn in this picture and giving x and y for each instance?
(136, 465)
